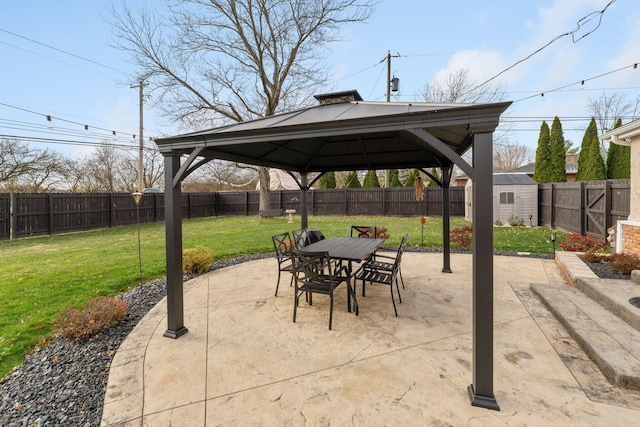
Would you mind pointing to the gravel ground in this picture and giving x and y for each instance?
(604, 271)
(63, 384)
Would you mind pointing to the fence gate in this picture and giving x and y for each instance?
(597, 199)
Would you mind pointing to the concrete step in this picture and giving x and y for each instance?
(610, 342)
(614, 295)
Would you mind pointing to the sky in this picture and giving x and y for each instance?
(58, 61)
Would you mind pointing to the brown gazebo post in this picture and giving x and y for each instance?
(481, 390)
(173, 224)
(446, 219)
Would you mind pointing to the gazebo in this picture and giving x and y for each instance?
(344, 133)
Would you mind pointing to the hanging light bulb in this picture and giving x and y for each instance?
(50, 123)
(582, 85)
(635, 68)
(86, 129)
(542, 96)
(114, 137)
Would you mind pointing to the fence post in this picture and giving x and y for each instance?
(583, 210)
(384, 201)
(553, 206)
(607, 208)
(112, 210)
(346, 194)
(13, 226)
(50, 213)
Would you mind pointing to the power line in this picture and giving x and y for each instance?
(50, 118)
(580, 82)
(69, 142)
(62, 51)
(57, 60)
(581, 22)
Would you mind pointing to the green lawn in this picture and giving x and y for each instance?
(40, 276)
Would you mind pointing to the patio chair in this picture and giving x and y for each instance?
(283, 244)
(363, 231)
(369, 273)
(306, 236)
(314, 273)
(379, 261)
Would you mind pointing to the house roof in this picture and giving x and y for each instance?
(529, 168)
(352, 135)
(620, 134)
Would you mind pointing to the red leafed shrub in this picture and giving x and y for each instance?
(461, 237)
(624, 263)
(621, 262)
(381, 233)
(578, 243)
(98, 315)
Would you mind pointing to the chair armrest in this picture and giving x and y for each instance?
(379, 255)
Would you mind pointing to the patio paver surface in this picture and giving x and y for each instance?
(245, 363)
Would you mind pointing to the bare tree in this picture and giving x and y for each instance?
(459, 86)
(508, 155)
(609, 107)
(212, 61)
(25, 169)
(152, 167)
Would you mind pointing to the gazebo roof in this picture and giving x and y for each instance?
(346, 136)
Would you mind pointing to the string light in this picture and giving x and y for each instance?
(581, 82)
(51, 120)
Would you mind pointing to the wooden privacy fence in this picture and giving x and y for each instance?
(584, 207)
(26, 215)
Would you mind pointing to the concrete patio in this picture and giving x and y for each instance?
(245, 363)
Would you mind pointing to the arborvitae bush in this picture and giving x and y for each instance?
(351, 181)
(196, 260)
(371, 180)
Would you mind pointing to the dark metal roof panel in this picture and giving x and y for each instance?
(513, 179)
(344, 136)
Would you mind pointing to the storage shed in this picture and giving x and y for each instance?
(513, 194)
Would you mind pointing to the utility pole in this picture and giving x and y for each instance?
(387, 178)
(141, 86)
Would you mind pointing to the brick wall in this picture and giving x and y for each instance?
(631, 239)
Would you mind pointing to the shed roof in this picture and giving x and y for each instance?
(513, 179)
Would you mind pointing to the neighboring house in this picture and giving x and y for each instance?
(529, 169)
(280, 180)
(571, 169)
(628, 232)
(515, 196)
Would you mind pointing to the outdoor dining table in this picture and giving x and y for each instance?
(348, 249)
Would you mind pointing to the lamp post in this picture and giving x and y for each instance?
(136, 198)
(553, 242)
